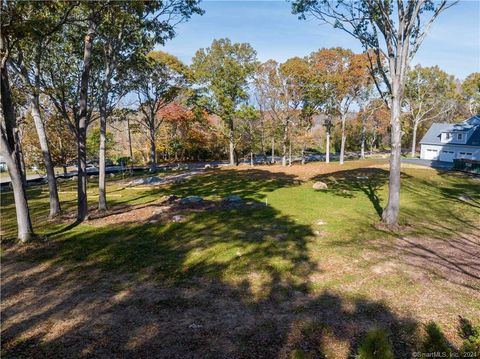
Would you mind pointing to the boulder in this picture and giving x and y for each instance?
(191, 199)
(74, 178)
(177, 218)
(207, 166)
(320, 185)
(112, 175)
(232, 199)
(465, 198)
(170, 198)
(146, 180)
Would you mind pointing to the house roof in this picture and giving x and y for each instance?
(432, 137)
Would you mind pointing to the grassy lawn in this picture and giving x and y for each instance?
(294, 272)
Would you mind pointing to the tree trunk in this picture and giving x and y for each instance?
(343, 140)
(21, 157)
(414, 139)
(153, 152)
(42, 137)
(327, 150)
(391, 211)
(290, 153)
(8, 149)
(231, 145)
(273, 151)
(364, 135)
(82, 204)
(130, 151)
(284, 146)
(251, 158)
(102, 191)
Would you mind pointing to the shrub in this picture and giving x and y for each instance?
(470, 336)
(300, 354)
(375, 345)
(435, 341)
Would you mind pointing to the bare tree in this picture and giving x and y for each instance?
(158, 81)
(429, 94)
(394, 30)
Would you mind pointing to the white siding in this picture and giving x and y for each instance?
(443, 153)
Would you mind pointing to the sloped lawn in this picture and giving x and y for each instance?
(290, 271)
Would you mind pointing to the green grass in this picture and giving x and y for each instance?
(211, 241)
(295, 240)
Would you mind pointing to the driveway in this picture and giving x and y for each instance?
(428, 163)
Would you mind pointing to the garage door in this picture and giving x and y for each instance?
(447, 156)
(466, 155)
(431, 154)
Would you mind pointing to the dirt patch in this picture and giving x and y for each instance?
(166, 209)
(454, 259)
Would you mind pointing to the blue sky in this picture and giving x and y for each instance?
(453, 43)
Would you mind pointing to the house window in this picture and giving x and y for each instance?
(460, 136)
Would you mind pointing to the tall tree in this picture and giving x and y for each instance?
(225, 69)
(281, 90)
(249, 118)
(126, 30)
(471, 92)
(393, 30)
(345, 74)
(13, 22)
(158, 80)
(429, 94)
(45, 19)
(67, 80)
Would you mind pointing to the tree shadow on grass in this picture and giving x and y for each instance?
(229, 282)
(364, 180)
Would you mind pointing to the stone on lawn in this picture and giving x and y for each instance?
(320, 185)
(232, 199)
(147, 180)
(177, 218)
(465, 198)
(74, 178)
(112, 175)
(191, 199)
(170, 198)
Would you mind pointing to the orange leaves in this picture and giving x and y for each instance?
(174, 112)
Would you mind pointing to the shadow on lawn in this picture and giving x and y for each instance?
(228, 283)
(366, 180)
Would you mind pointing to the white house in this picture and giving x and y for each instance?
(446, 141)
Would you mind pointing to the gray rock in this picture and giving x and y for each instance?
(191, 199)
(465, 198)
(320, 185)
(147, 180)
(207, 166)
(112, 175)
(170, 198)
(74, 178)
(233, 199)
(177, 218)
(93, 177)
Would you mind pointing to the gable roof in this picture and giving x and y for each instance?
(432, 137)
